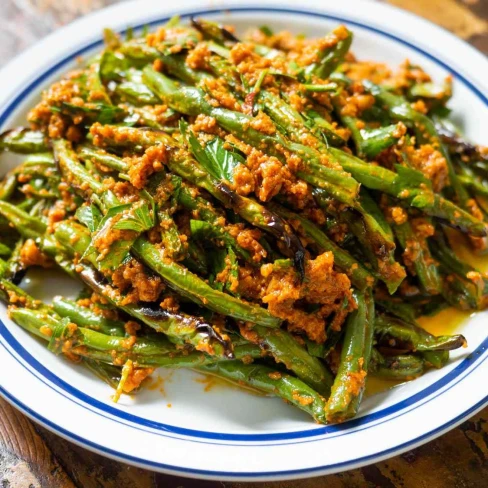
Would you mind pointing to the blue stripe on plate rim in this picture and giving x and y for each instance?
(467, 366)
(157, 465)
(412, 401)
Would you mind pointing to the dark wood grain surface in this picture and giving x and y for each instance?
(32, 457)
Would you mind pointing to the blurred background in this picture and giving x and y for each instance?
(23, 22)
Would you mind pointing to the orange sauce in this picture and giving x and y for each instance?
(378, 385)
(463, 250)
(447, 321)
(209, 382)
(156, 383)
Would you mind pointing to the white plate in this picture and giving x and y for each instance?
(225, 433)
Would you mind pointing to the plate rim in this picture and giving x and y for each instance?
(463, 368)
(231, 476)
(319, 11)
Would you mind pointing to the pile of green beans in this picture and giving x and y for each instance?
(131, 183)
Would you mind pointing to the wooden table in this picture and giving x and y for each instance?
(32, 457)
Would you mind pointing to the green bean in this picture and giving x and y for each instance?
(465, 287)
(250, 210)
(213, 31)
(178, 277)
(374, 235)
(92, 339)
(400, 109)
(84, 317)
(146, 351)
(284, 348)
(186, 283)
(349, 383)
(271, 381)
(8, 186)
(403, 367)
(413, 337)
(176, 65)
(360, 276)
(106, 372)
(179, 326)
(399, 308)
(203, 208)
(101, 157)
(370, 142)
(399, 186)
(191, 101)
(330, 57)
(436, 359)
(205, 211)
(173, 359)
(23, 141)
(29, 227)
(134, 91)
(422, 262)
